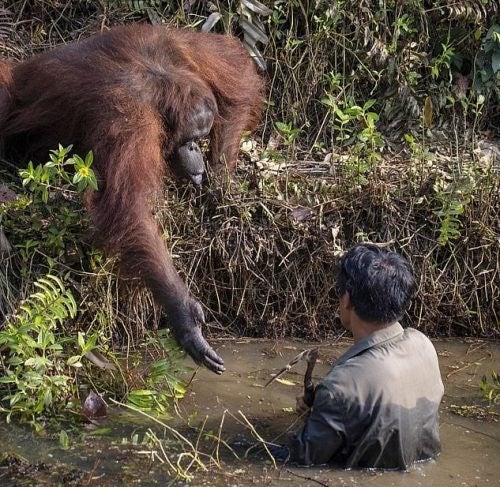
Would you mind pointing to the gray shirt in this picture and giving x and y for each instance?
(377, 407)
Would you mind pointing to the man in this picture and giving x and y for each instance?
(378, 406)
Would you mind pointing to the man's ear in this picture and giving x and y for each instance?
(346, 301)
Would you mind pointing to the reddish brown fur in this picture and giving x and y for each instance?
(125, 95)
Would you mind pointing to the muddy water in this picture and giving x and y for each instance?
(471, 446)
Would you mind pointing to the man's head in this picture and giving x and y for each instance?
(376, 283)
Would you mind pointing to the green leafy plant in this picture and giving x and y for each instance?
(453, 194)
(35, 361)
(488, 61)
(491, 390)
(48, 219)
(161, 385)
(354, 122)
(356, 127)
(42, 355)
(442, 62)
(288, 132)
(41, 358)
(419, 151)
(55, 174)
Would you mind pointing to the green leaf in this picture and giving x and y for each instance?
(368, 104)
(282, 127)
(101, 431)
(73, 360)
(93, 182)
(428, 111)
(64, 440)
(81, 340)
(354, 111)
(495, 61)
(89, 158)
(329, 102)
(341, 115)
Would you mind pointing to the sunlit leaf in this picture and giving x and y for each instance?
(428, 111)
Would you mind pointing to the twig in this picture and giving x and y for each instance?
(305, 477)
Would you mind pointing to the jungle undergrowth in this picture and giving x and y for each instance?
(49, 359)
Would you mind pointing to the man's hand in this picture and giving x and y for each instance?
(301, 407)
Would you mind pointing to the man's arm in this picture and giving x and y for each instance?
(323, 435)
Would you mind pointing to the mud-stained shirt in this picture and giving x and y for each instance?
(377, 407)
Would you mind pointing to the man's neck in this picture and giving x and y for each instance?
(361, 329)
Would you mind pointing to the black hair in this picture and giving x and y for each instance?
(380, 283)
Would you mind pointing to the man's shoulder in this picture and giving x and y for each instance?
(418, 338)
(382, 360)
(414, 333)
